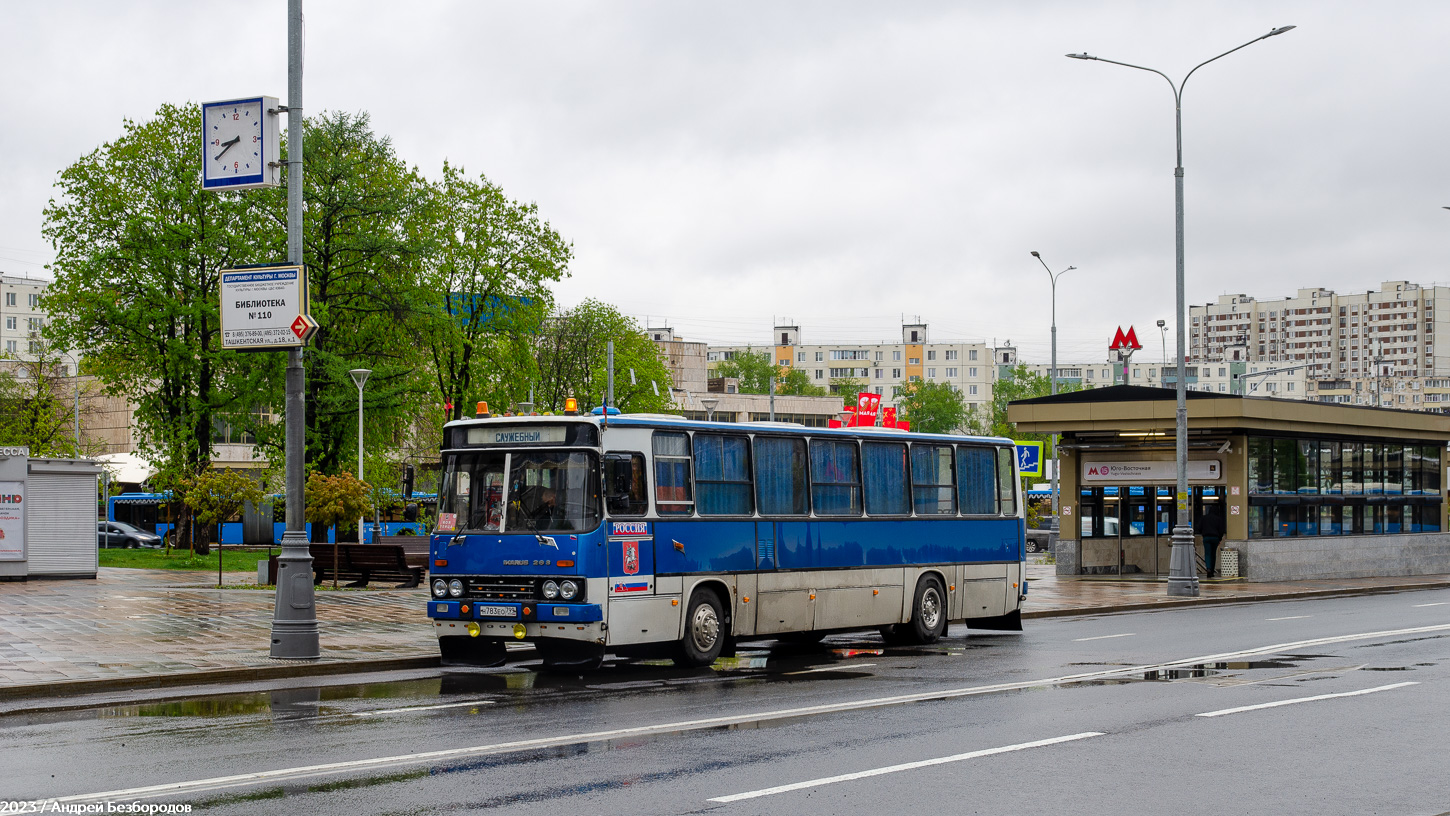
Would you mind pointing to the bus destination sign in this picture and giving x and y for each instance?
(518, 435)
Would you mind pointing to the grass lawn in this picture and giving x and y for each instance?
(232, 559)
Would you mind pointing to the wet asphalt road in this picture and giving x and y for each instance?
(641, 738)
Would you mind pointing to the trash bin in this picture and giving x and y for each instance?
(1228, 563)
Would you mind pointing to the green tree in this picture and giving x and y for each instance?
(487, 264)
(1020, 383)
(932, 407)
(138, 245)
(847, 389)
(362, 247)
(572, 355)
(754, 369)
(796, 383)
(213, 496)
(38, 404)
(336, 501)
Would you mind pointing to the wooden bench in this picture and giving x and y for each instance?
(360, 563)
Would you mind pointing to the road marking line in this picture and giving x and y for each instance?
(1104, 637)
(1291, 617)
(1222, 712)
(1441, 603)
(424, 757)
(837, 667)
(907, 766)
(381, 711)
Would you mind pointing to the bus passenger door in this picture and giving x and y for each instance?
(637, 614)
(787, 599)
(747, 600)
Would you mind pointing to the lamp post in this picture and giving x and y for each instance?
(709, 403)
(1182, 566)
(1163, 336)
(360, 376)
(1052, 376)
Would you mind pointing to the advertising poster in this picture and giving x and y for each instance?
(12, 521)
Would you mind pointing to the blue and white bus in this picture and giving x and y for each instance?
(653, 534)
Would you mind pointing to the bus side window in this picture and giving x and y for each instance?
(624, 484)
(835, 478)
(1006, 482)
(976, 481)
(672, 474)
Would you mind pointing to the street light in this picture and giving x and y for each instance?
(1163, 335)
(1052, 375)
(360, 376)
(1182, 569)
(709, 403)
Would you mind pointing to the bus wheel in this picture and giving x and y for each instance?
(928, 613)
(704, 631)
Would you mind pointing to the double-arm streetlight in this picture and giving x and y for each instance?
(1052, 375)
(1182, 566)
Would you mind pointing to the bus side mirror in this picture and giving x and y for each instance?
(410, 512)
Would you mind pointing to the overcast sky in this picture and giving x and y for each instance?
(723, 165)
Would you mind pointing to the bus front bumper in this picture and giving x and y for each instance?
(518, 621)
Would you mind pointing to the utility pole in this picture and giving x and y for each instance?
(294, 617)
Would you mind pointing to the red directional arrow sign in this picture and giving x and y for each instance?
(304, 327)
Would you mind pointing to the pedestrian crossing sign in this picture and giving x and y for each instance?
(1029, 458)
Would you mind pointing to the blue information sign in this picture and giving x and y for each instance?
(1029, 458)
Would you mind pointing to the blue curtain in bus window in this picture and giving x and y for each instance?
(1006, 476)
(780, 476)
(835, 485)
(722, 476)
(885, 475)
(672, 474)
(977, 480)
(932, 491)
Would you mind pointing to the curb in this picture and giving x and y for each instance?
(294, 668)
(285, 670)
(1201, 601)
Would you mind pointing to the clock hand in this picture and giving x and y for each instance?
(227, 146)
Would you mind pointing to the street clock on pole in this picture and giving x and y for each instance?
(239, 142)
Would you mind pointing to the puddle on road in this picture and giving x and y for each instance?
(1195, 672)
(835, 658)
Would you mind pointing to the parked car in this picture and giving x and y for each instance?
(121, 534)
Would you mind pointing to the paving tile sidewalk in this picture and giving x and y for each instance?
(142, 626)
(150, 628)
(1052, 596)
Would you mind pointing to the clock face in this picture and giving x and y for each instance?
(233, 141)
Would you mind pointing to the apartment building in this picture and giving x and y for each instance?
(699, 395)
(970, 366)
(1375, 348)
(21, 318)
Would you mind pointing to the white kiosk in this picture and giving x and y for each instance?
(47, 516)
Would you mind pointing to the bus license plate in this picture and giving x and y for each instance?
(497, 611)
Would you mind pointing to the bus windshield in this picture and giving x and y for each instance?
(547, 491)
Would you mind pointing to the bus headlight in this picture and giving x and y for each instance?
(569, 590)
(550, 590)
(455, 588)
(440, 588)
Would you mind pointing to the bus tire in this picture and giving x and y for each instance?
(928, 613)
(705, 633)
